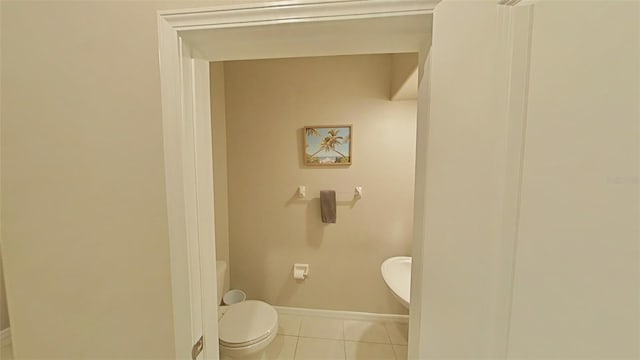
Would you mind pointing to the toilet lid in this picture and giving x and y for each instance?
(247, 322)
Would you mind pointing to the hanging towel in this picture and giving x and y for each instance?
(328, 206)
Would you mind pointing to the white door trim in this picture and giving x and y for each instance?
(187, 142)
(174, 150)
(290, 12)
(514, 49)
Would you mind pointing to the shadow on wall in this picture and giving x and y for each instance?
(314, 227)
(314, 235)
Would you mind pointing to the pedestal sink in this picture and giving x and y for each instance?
(396, 272)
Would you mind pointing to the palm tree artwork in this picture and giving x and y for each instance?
(327, 145)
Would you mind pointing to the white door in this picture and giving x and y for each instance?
(415, 348)
(463, 223)
(576, 281)
(206, 231)
(198, 196)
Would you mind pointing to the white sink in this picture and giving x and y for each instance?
(396, 272)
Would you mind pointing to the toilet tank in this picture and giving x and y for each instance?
(221, 275)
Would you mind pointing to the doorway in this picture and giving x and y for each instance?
(188, 41)
(264, 225)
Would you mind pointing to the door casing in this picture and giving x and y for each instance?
(188, 40)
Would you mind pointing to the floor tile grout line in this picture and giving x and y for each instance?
(295, 349)
(300, 326)
(295, 352)
(309, 322)
(349, 340)
(314, 316)
(391, 340)
(368, 342)
(396, 349)
(386, 331)
(394, 352)
(388, 341)
(344, 340)
(321, 338)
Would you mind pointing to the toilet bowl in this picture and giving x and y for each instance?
(245, 329)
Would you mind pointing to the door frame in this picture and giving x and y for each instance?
(187, 147)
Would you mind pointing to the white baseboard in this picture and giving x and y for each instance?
(5, 337)
(339, 314)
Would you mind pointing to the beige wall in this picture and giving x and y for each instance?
(219, 139)
(84, 224)
(267, 104)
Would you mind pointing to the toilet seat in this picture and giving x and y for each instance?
(247, 323)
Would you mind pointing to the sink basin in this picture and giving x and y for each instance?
(396, 272)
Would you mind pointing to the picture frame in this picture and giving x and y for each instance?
(328, 145)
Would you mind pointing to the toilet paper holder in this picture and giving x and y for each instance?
(300, 271)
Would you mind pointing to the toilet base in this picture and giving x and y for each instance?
(252, 352)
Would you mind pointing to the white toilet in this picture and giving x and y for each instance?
(245, 329)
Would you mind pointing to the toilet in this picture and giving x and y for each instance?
(245, 329)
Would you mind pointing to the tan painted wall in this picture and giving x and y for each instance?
(219, 138)
(84, 223)
(404, 76)
(267, 104)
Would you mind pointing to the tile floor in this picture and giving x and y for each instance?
(321, 338)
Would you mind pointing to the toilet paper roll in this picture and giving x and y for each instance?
(298, 274)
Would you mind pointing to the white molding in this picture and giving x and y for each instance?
(190, 195)
(5, 337)
(205, 203)
(171, 85)
(187, 160)
(291, 11)
(509, 2)
(513, 54)
(419, 205)
(519, 54)
(341, 314)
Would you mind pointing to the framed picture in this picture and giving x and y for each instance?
(327, 145)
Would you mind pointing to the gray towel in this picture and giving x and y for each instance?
(328, 206)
